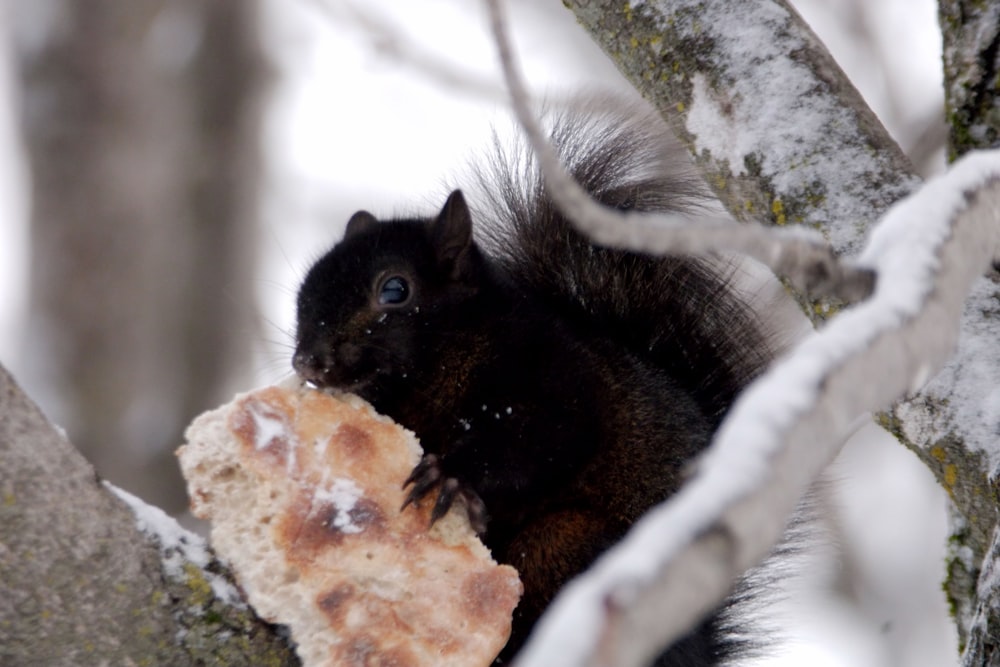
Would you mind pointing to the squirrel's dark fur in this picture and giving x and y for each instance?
(558, 389)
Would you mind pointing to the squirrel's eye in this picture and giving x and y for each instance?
(394, 291)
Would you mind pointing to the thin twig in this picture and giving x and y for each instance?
(395, 45)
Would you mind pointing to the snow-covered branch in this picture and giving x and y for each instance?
(796, 253)
(778, 130)
(680, 560)
(782, 136)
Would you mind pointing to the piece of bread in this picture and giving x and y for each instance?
(303, 491)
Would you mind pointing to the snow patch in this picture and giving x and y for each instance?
(754, 120)
(178, 546)
(969, 382)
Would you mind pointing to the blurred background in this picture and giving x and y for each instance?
(170, 168)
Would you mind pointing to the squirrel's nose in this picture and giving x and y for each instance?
(308, 366)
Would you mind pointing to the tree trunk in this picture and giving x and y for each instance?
(971, 55)
(971, 34)
(142, 121)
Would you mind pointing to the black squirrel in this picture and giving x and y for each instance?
(558, 388)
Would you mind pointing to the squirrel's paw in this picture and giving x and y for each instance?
(427, 476)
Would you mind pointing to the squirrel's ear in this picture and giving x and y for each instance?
(451, 234)
(359, 222)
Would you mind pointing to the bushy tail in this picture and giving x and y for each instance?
(680, 313)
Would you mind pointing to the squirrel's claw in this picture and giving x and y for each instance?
(445, 499)
(476, 509)
(426, 476)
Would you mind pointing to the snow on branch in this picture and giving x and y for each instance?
(798, 254)
(781, 135)
(680, 560)
(776, 127)
(179, 548)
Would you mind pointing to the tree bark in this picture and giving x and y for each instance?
(971, 58)
(971, 35)
(83, 586)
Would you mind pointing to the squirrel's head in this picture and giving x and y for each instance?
(365, 305)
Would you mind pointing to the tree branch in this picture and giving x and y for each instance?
(394, 44)
(803, 258)
(679, 561)
(82, 585)
(776, 127)
(782, 136)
